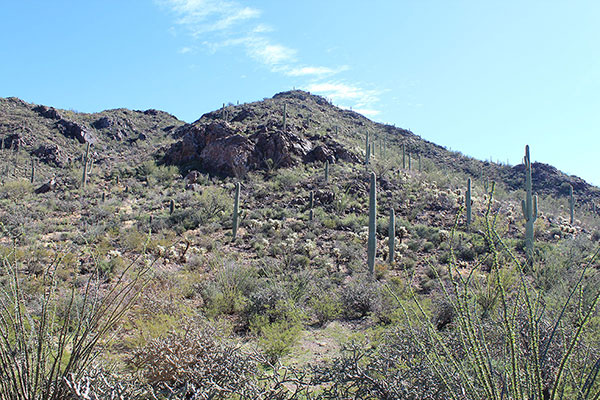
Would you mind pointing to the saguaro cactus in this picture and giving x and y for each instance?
(311, 203)
(419, 162)
(571, 204)
(403, 156)
(171, 206)
(468, 202)
(529, 206)
(326, 170)
(236, 210)
(392, 236)
(372, 243)
(86, 163)
(32, 170)
(368, 154)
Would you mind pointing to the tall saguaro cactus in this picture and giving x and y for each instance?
(236, 210)
(529, 206)
(571, 205)
(86, 166)
(372, 241)
(311, 204)
(32, 171)
(392, 236)
(468, 202)
(326, 170)
(403, 156)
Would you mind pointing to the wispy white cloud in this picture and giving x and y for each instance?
(362, 100)
(341, 91)
(367, 112)
(204, 16)
(222, 23)
(263, 50)
(217, 24)
(315, 71)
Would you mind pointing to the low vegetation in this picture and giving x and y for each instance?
(153, 283)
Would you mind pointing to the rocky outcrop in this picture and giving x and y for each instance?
(14, 141)
(115, 128)
(548, 180)
(51, 154)
(73, 130)
(222, 148)
(47, 112)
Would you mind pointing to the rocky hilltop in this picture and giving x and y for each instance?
(56, 138)
(240, 138)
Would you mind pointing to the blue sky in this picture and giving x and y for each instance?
(481, 77)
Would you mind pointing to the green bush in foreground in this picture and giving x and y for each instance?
(517, 349)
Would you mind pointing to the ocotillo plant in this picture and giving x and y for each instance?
(571, 204)
(311, 203)
(326, 170)
(236, 210)
(468, 202)
(529, 206)
(372, 243)
(86, 163)
(284, 115)
(392, 236)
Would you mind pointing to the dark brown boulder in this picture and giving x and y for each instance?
(75, 131)
(321, 154)
(51, 154)
(14, 141)
(46, 187)
(284, 149)
(227, 156)
(103, 123)
(47, 112)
